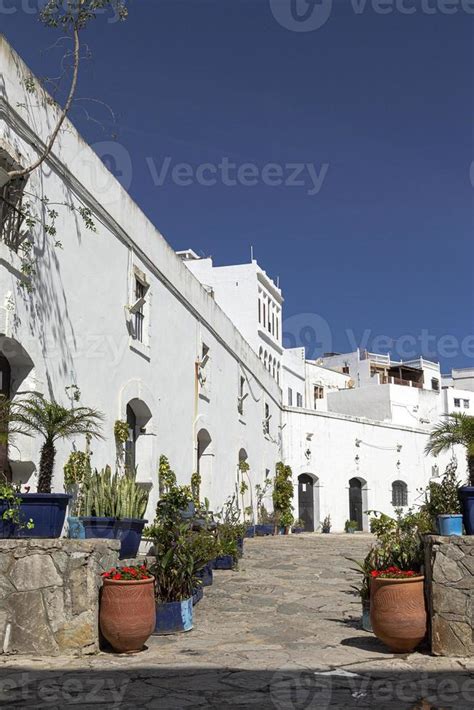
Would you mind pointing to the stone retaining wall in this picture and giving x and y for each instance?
(450, 592)
(49, 599)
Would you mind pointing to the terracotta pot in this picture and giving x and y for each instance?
(127, 613)
(398, 612)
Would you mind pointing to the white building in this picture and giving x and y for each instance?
(188, 353)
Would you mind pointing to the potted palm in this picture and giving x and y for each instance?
(457, 429)
(442, 502)
(32, 415)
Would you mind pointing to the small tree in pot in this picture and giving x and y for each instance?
(442, 502)
(35, 414)
(283, 492)
(457, 429)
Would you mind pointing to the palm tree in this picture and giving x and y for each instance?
(456, 428)
(37, 415)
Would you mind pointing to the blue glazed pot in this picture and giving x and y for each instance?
(366, 623)
(198, 593)
(450, 524)
(174, 617)
(205, 575)
(297, 531)
(75, 528)
(224, 562)
(240, 546)
(250, 532)
(7, 528)
(99, 527)
(48, 512)
(466, 496)
(129, 532)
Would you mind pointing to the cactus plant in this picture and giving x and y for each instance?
(113, 496)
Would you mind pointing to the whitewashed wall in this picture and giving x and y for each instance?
(73, 325)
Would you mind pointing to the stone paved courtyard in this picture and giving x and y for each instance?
(281, 633)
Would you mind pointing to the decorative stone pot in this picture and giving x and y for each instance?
(366, 625)
(127, 613)
(99, 527)
(466, 496)
(205, 575)
(398, 613)
(48, 512)
(173, 617)
(450, 525)
(129, 532)
(224, 562)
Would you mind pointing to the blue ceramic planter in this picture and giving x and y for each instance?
(240, 546)
(450, 524)
(264, 530)
(75, 528)
(297, 531)
(250, 532)
(99, 527)
(205, 575)
(174, 617)
(7, 528)
(48, 512)
(129, 532)
(466, 496)
(198, 593)
(224, 562)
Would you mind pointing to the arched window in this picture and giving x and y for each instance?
(399, 494)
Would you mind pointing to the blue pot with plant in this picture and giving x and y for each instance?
(442, 502)
(174, 617)
(224, 562)
(34, 414)
(12, 517)
(205, 575)
(456, 429)
(198, 593)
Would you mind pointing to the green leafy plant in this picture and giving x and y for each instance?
(400, 539)
(121, 431)
(174, 563)
(455, 429)
(108, 495)
(196, 488)
(76, 469)
(283, 492)
(351, 525)
(35, 414)
(10, 501)
(441, 498)
(261, 490)
(166, 476)
(326, 524)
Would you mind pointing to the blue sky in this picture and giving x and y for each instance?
(377, 240)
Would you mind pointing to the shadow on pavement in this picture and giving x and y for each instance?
(167, 688)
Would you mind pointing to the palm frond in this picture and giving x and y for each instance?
(455, 428)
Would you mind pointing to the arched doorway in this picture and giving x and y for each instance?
(357, 493)
(138, 453)
(308, 501)
(204, 462)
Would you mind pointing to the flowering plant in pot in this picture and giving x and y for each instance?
(127, 607)
(457, 429)
(34, 414)
(442, 502)
(397, 601)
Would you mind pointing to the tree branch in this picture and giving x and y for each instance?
(26, 171)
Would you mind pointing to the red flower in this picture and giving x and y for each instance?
(117, 576)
